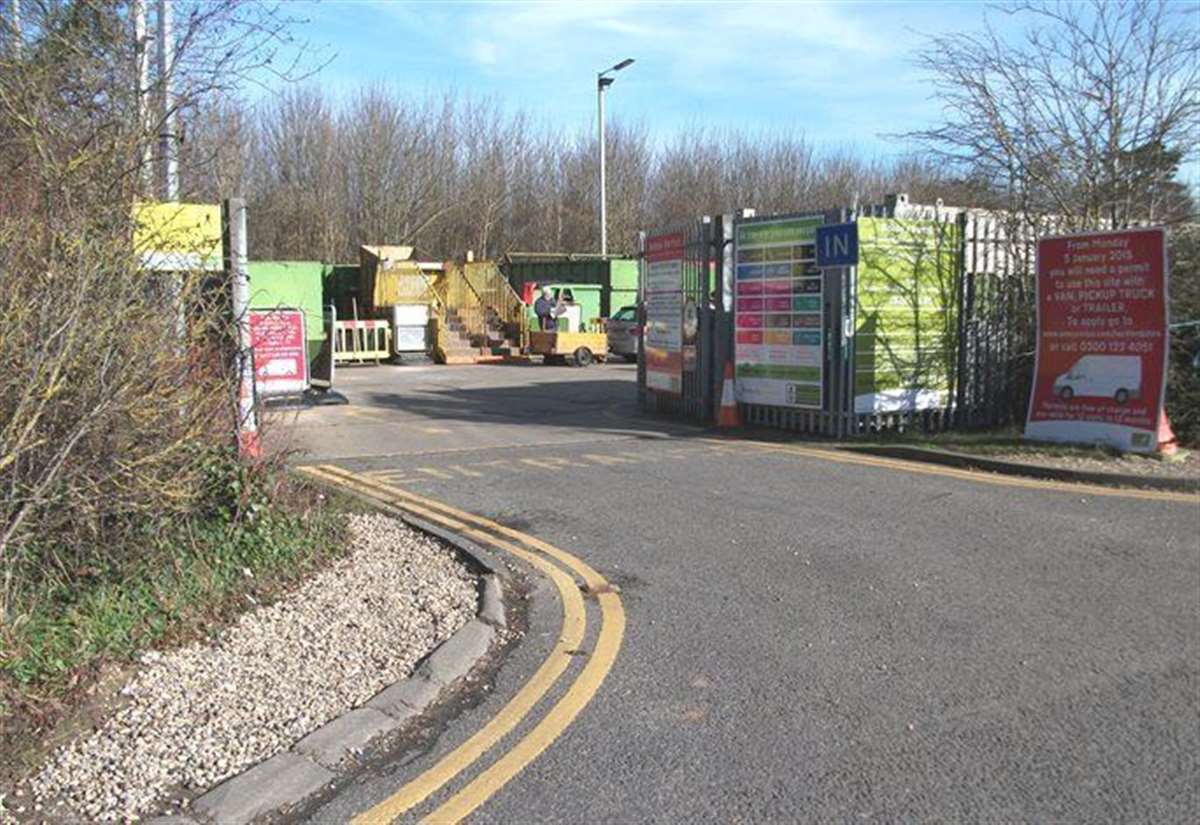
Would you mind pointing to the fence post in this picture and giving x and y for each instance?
(960, 369)
(705, 350)
(643, 396)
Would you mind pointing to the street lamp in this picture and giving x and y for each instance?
(603, 81)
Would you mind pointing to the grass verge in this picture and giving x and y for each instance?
(1011, 444)
(187, 578)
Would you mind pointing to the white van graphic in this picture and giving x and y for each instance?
(279, 366)
(1118, 377)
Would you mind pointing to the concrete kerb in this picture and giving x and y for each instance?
(1016, 468)
(312, 765)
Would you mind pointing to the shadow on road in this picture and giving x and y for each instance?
(602, 404)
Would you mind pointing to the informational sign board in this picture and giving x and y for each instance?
(280, 355)
(664, 312)
(778, 314)
(1101, 365)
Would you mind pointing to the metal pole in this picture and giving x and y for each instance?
(141, 90)
(600, 84)
(17, 27)
(166, 71)
(237, 270)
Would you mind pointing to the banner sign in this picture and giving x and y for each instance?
(664, 312)
(778, 314)
(280, 354)
(1102, 339)
(905, 298)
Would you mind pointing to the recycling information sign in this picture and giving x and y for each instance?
(778, 313)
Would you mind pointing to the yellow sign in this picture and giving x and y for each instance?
(178, 236)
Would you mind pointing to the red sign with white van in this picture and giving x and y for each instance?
(280, 352)
(1102, 339)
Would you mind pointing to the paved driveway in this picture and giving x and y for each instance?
(807, 640)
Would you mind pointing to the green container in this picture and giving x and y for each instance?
(342, 289)
(612, 275)
(623, 276)
(292, 285)
(619, 298)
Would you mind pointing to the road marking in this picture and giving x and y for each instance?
(967, 475)
(392, 476)
(607, 460)
(570, 637)
(368, 412)
(480, 789)
(484, 447)
(582, 690)
(618, 458)
(546, 463)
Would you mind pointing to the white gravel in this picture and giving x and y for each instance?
(205, 712)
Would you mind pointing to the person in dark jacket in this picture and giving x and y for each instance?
(543, 307)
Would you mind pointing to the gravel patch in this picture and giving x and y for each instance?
(1128, 464)
(205, 712)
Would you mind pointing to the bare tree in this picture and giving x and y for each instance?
(102, 411)
(1087, 115)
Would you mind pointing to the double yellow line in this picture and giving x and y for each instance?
(560, 567)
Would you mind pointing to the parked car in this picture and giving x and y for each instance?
(624, 332)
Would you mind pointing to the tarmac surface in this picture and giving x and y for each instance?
(806, 639)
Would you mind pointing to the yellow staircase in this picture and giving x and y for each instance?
(478, 317)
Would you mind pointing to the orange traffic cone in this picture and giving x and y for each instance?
(729, 415)
(1167, 443)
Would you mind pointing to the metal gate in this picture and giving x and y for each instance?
(815, 377)
(792, 366)
(676, 281)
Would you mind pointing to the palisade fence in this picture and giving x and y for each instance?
(975, 344)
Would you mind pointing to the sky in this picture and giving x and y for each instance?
(840, 72)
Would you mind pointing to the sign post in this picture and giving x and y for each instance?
(233, 220)
(1102, 340)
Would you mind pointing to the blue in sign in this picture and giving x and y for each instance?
(837, 245)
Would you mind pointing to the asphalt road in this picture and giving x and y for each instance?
(806, 640)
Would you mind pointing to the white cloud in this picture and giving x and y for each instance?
(484, 52)
(834, 69)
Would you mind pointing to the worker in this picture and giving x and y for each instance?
(544, 308)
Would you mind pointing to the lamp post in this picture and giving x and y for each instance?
(603, 81)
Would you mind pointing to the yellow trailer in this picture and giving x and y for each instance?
(578, 349)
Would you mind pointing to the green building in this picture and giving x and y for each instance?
(292, 285)
(616, 277)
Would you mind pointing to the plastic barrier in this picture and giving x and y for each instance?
(357, 342)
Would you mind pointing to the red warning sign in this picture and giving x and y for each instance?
(1102, 339)
(280, 354)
